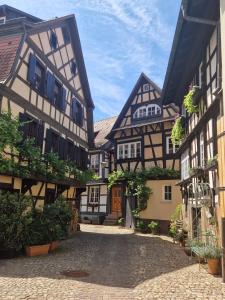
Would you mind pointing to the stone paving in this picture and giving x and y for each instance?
(121, 265)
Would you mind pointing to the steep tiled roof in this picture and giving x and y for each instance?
(8, 49)
(101, 129)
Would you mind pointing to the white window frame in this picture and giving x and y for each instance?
(94, 161)
(184, 165)
(166, 193)
(147, 111)
(168, 148)
(134, 153)
(94, 195)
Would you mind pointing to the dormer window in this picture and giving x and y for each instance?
(53, 40)
(150, 110)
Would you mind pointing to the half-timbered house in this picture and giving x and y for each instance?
(43, 81)
(141, 138)
(95, 200)
(195, 64)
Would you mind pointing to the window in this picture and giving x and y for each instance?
(184, 165)
(131, 150)
(53, 40)
(32, 129)
(202, 154)
(73, 67)
(36, 74)
(2, 20)
(146, 87)
(94, 195)
(51, 142)
(77, 112)
(170, 148)
(167, 192)
(147, 111)
(66, 35)
(94, 162)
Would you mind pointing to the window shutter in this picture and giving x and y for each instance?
(63, 103)
(40, 135)
(74, 109)
(50, 80)
(23, 128)
(31, 70)
(81, 117)
(48, 141)
(61, 148)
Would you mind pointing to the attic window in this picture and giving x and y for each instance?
(66, 35)
(2, 20)
(53, 40)
(73, 67)
(146, 87)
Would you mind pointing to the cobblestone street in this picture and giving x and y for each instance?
(120, 264)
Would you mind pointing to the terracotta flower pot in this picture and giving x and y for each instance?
(214, 266)
(54, 245)
(37, 250)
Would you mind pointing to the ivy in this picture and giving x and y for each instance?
(188, 102)
(177, 132)
(136, 182)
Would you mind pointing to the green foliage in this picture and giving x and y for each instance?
(188, 102)
(59, 215)
(177, 132)
(135, 182)
(37, 230)
(177, 213)
(120, 221)
(153, 225)
(114, 177)
(13, 219)
(47, 225)
(135, 213)
(141, 225)
(21, 157)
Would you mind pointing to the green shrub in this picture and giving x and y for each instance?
(13, 219)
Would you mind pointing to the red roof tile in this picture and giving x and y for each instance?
(8, 49)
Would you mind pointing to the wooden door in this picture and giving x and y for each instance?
(116, 199)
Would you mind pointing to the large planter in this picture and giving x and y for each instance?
(8, 253)
(54, 245)
(37, 250)
(214, 266)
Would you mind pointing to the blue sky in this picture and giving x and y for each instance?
(120, 39)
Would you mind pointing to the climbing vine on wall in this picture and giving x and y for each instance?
(21, 157)
(136, 182)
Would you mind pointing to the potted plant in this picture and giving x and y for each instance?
(213, 255)
(58, 215)
(37, 238)
(13, 209)
(153, 227)
(121, 222)
(141, 227)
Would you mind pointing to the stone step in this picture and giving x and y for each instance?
(110, 222)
